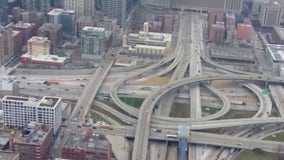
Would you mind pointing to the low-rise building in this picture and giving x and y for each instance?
(275, 54)
(244, 31)
(232, 54)
(49, 60)
(20, 111)
(34, 142)
(146, 42)
(7, 87)
(88, 146)
(39, 53)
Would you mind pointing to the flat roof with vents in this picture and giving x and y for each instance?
(276, 52)
(236, 54)
(49, 101)
(46, 101)
(34, 133)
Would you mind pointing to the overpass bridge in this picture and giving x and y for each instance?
(83, 105)
(203, 138)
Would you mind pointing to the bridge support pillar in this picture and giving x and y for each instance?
(266, 85)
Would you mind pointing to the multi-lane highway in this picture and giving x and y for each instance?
(83, 105)
(189, 39)
(277, 92)
(202, 138)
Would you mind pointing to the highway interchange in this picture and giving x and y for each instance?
(186, 64)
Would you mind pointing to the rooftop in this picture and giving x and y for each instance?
(34, 133)
(38, 39)
(82, 141)
(43, 102)
(50, 26)
(56, 11)
(21, 24)
(232, 54)
(84, 19)
(95, 29)
(16, 98)
(49, 101)
(44, 58)
(277, 2)
(152, 36)
(150, 47)
(276, 51)
(7, 155)
(15, 32)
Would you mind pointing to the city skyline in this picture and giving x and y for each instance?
(141, 80)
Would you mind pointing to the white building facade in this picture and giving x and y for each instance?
(20, 111)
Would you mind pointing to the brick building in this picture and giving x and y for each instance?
(88, 146)
(34, 142)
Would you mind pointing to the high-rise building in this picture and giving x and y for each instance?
(271, 14)
(36, 5)
(54, 16)
(33, 17)
(233, 5)
(20, 111)
(64, 17)
(213, 17)
(17, 42)
(156, 3)
(81, 7)
(115, 9)
(82, 22)
(34, 142)
(207, 5)
(217, 33)
(168, 23)
(6, 44)
(256, 7)
(39, 46)
(93, 42)
(26, 29)
(53, 32)
(110, 25)
(68, 22)
(230, 19)
(16, 13)
(39, 53)
(3, 12)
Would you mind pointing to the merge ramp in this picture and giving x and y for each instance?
(89, 93)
